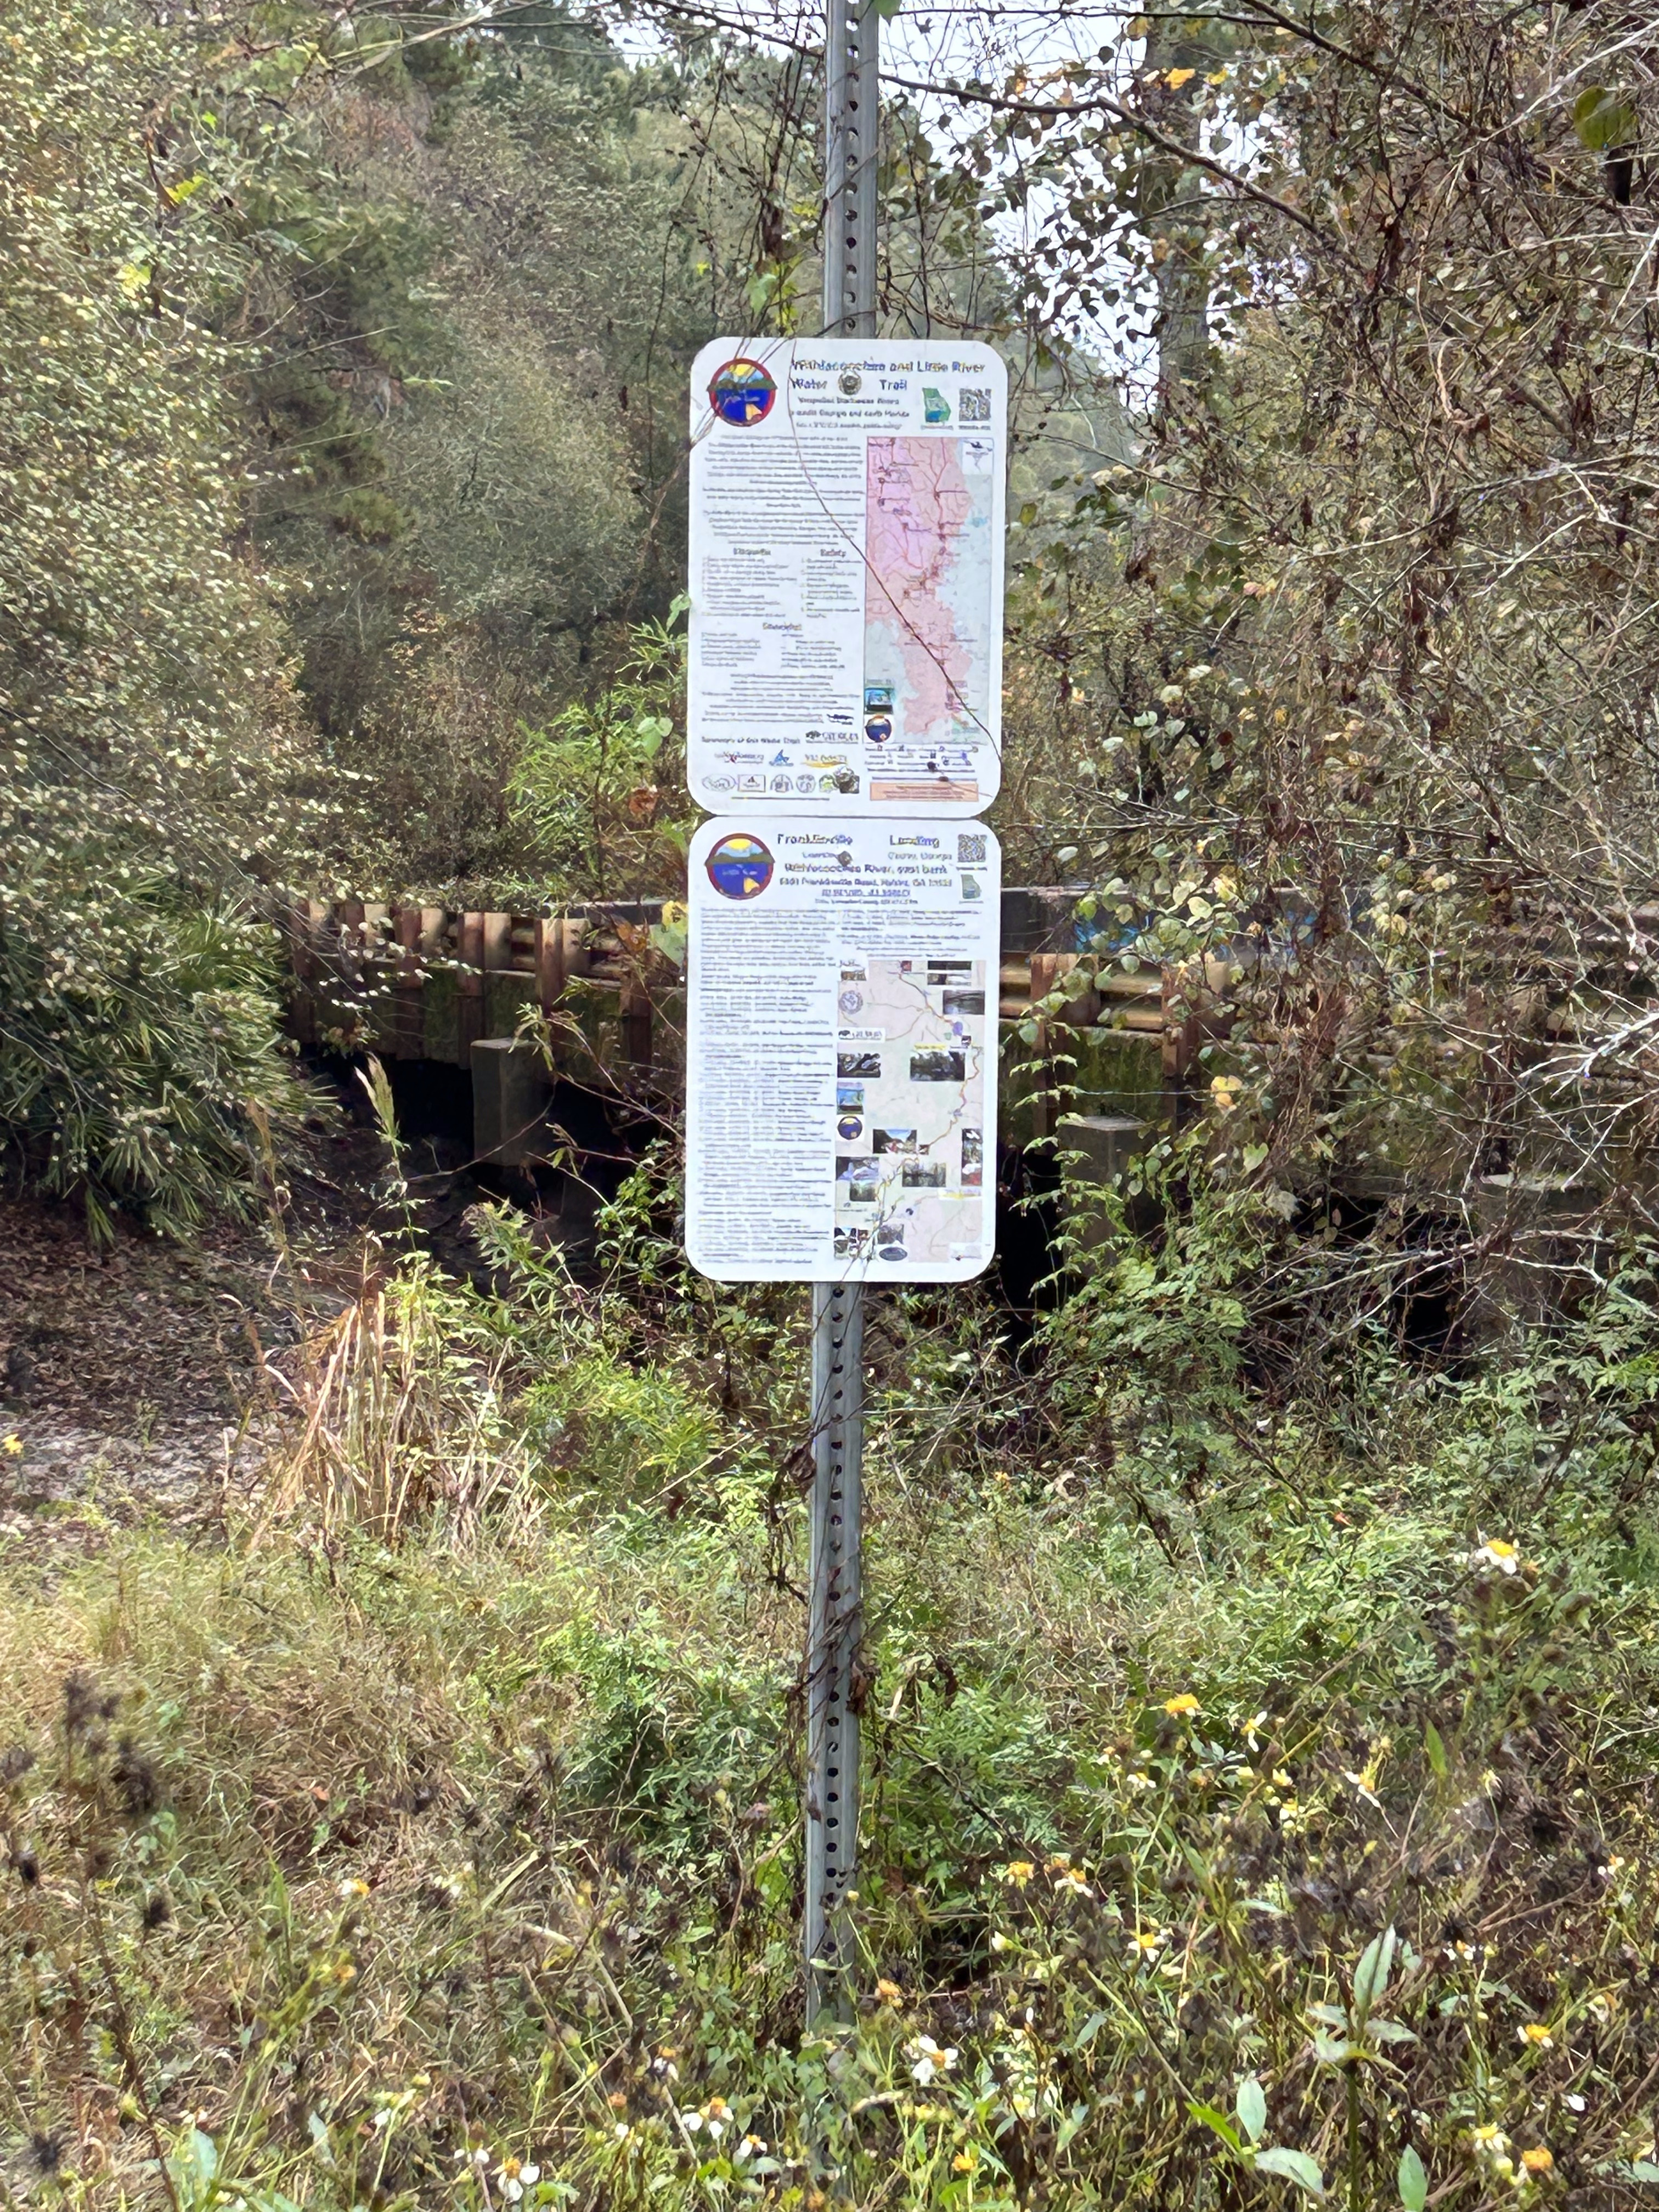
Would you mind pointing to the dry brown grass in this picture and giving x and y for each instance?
(395, 1416)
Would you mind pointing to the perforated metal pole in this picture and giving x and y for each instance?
(835, 1615)
(851, 107)
(834, 1630)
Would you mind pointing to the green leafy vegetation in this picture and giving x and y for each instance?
(1258, 1693)
(153, 758)
(1288, 1835)
(600, 793)
(339, 437)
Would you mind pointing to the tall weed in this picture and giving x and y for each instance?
(398, 1418)
(399, 1403)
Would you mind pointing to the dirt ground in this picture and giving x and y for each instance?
(145, 1378)
(134, 1377)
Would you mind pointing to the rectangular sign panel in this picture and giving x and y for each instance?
(841, 1055)
(845, 575)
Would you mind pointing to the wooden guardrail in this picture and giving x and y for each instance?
(425, 982)
(428, 982)
(1094, 1067)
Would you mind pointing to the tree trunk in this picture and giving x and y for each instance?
(1174, 202)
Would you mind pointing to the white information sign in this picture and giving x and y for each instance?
(845, 575)
(840, 1060)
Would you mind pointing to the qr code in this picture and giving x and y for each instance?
(975, 405)
(970, 848)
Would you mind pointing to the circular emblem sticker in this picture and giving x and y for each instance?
(740, 866)
(742, 393)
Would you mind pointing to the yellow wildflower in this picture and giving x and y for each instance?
(13, 1446)
(1539, 2160)
(1178, 1707)
(1535, 2032)
(1495, 1553)
(964, 2161)
(889, 1993)
(1020, 1872)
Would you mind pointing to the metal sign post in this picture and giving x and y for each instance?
(845, 900)
(834, 1630)
(834, 1605)
(852, 105)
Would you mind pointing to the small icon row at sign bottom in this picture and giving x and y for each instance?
(785, 786)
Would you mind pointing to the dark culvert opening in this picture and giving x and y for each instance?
(604, 1139)
(601, 1140)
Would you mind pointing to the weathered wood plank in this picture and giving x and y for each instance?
(497, 935)
(549, 962)
(408, 1019)
(470, 984)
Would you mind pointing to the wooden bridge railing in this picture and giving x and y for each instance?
(430, 983)
(425, 982)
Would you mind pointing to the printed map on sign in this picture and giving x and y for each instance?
(928, 648)
(909, 1108)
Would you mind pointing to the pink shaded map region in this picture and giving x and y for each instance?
(919, 506)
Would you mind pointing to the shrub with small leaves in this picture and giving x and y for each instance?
(153, 773)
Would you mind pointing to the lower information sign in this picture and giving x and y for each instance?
(841, 1054)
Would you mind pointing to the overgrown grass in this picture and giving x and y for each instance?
(1222, 1846)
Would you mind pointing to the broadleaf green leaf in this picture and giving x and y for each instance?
(1413, 2181)
(1603, 118)
(1370, 1977)
(1252, 2106)
(1295, 2166)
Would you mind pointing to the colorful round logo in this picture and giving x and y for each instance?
(740, 866)
(742, 393)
